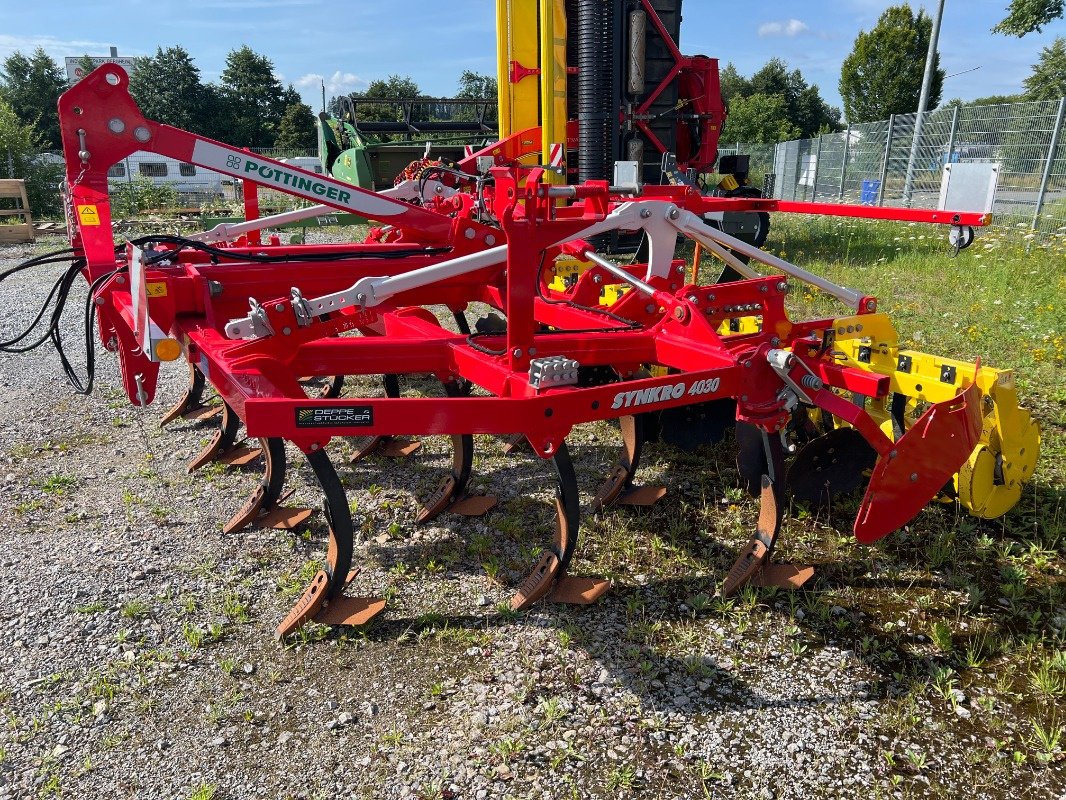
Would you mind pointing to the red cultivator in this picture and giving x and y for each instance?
(271, 328)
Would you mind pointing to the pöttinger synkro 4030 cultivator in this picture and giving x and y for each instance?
(257, 320)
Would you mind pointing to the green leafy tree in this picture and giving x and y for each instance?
(804, 108)
(759, 118)
(1026, 16)
(883, 73)
(733, 83)
(253, 98)
(297, 129)
(20, 143)
(476, 86)
(1048, 81)
(804, 105)
(31, 86)
(86, 65)
(167, 87)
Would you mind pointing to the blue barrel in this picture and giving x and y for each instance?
(870, 189)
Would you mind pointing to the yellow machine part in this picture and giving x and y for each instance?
(531, 72)
(553, 82)
(516, 42)
(990, 483)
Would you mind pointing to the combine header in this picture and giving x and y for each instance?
(273, 329)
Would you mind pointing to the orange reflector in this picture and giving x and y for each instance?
(167, 349)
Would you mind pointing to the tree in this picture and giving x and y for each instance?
(883, 73)
(401, 87)
(475, 86)
(31, 86)
(86, 65)
(20, 143)
(1026, 16)
(297, 129)
(253, 98)
(733, 83)
(759, 118)
(804, 106)
(167, 87)
(1048, 81)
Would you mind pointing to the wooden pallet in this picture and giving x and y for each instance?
(20, 232)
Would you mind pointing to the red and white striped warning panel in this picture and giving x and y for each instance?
(555, 155)
(468, 150)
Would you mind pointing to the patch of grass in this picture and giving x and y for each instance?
(135, 609)
(58, 484)
(205, 791)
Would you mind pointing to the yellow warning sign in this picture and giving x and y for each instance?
(88, 215)
(156, 289)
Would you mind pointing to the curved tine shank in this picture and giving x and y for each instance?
(757, 552)
(451, 486)
(389, 446)
(222, 441)
(192, 400)
(751, 458)
(554, 560)
(332, 388)
(266, 494)
(330, 581)
(621, 477)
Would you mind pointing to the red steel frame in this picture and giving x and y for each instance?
(194, 298)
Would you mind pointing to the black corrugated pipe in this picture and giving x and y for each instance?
(595, 88)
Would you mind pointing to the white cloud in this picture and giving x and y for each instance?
(337, 83)
(56, 48)
(791, 27)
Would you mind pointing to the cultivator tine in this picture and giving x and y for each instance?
(387, 446)
(548, 577)
(332, 388)
(920, 463)
(224, 446)
(263, 508)
(619, 485)
(751, 457)
(515, 443)
(191, 405)
(324, 600)
(221, 442)
(753, 564)
(451, 495)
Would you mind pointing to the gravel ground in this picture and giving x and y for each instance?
(137, 656)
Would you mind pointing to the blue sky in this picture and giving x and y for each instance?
(347, 44)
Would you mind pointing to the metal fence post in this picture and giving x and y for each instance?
(1052, 148)
(844, 164)
(951, 134)
(884, 164)
(817, 164)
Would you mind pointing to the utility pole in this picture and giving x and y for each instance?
(923, 101)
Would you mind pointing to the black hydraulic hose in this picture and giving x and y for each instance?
(594, 64)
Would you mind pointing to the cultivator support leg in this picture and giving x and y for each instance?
(324, 600)
(191, 405)
(548, 577)
(451, 495)
(619, 487)
(387, 446)
(224, 446)
(263, 508)
(753, 565)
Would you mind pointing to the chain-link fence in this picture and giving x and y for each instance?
(885, 163)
